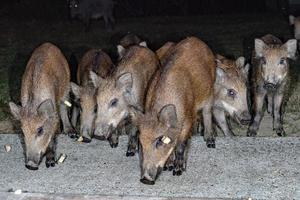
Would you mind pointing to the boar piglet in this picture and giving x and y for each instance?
(270, 79)
(85, 10)
(127, 41)
(230, 93)
(99, 62)
(126, 88)
(45, 85)
(183, 87)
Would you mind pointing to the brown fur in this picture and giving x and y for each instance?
(185, 83)
(130, 40)
(99, 62)
(230, 92)
(128, 85)
(165, 51)
(45, 85)
(270, 79)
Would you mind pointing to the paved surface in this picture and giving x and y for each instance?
(239, 168)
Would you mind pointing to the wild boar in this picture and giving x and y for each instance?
(184, 86)
(164, 51)
(295, 22)
(126, 88)
(127, 41)
(99, 62)
(270, 79)
(45, 85)
(230, 93)
(85, 10)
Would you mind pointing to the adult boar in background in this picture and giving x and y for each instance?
(86, 10)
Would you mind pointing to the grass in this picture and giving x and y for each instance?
(229, 35)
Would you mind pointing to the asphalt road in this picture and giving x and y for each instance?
(239, 168)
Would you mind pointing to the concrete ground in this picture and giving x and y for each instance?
(239, 168)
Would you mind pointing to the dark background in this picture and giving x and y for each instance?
(227, 26)
(134, 8)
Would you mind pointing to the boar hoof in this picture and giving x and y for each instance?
(210, 143)
(130, 154)
(177, 172)
(168, 167)
(113, 144)
(72, 134)
(146, 181)
(251, 133)
(50, 163)
(280, 132)
(86, 140)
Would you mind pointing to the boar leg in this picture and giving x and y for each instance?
(114, 139)
(220, 118)
(67, 127)
(50, 154)
(133, 141)
(207, 122)
(258, 112)
(75, 114)
(180, 160)
(277, 123)
(170, 163)
(270, 103)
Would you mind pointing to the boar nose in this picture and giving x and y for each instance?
(270, 86)
(103, 132)
(86, 133)
(31, 165)
(149, 176)
(245, 118)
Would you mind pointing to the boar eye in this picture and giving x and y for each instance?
(75, 5)
(263, 60)
(40, 131)
(231, 93)
(114, 102)
(282, 61)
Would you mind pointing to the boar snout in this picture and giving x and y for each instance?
(103, 131)
(149, 175)
(245, 118)
(86, 133)
(270, 86)
(33, 162)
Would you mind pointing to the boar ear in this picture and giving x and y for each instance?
(245, 70)
(168, 116)
(240, 62)
(15, 110)
(292, 20)
(96, 80)
(46, 108)
(76, 89)
(220, 75)
(291, 48)
(143, 44)
(121, 51)
(259, 47)
(125, 81)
